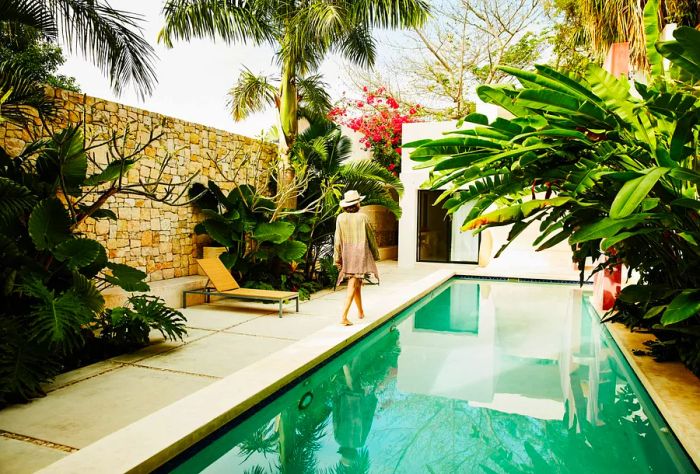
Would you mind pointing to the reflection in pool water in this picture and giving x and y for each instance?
(485, 377)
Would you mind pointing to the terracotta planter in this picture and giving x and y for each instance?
(386, 228)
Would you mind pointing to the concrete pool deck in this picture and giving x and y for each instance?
(240, 350)
(87, 404)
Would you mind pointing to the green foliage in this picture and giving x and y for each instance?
(269, 248)
(129, 326)
(40, 59)
(325, 151)
(52, 314)
(612, 172)
(302, 34)
(261, 251)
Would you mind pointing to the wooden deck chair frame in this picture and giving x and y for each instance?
(223, 284)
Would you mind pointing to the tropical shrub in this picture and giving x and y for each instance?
(379, 118)
(611, 169)
(52, 314)
(271, 247)
(262, 248)
(325, 151)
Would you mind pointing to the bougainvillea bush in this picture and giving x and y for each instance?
(378, 116)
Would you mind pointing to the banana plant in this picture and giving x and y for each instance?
(609, 166)
(240, 220)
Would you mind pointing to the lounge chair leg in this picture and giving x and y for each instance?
(184, 299)
(280, 308)
(297, 304)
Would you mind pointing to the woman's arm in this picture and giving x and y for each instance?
(337, 245)
(371, 240)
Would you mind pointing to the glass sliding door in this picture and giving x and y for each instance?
(439, 236)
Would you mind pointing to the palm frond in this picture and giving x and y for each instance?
(250, 94)
(230, 20)
(21, 96)
(391, 13)
(14, 13)
(358, 46)
(16, 200)
(373, 181)
(313, 96)
(111, 39)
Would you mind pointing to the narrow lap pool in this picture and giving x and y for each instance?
(484, 377)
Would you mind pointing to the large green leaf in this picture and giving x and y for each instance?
(275, 232)
(633, 193)
(49, 224)
(77, 253)
(126, 277)
(497, 96)
(110, 173)
(684, 306)
(291, 250)
(501, 216)
(88, 293)
(536, 204)
(684, 52)
(605, 228)
(220, 231)
(605, 244)
(56, 319)
(651, 33)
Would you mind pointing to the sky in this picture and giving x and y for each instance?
(194, 77)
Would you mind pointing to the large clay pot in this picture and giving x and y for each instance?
(386, 227)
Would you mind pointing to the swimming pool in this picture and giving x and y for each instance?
(488, 377)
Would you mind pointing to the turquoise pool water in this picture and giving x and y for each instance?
(477, 377)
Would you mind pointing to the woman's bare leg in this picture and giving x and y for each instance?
(348, 301)
(358, 298)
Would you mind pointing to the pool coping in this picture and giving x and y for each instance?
(673, 388)
(157, 438)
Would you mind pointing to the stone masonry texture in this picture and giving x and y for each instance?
(155, 237)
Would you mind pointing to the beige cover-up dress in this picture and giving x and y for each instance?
(355, 247)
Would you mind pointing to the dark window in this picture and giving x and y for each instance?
(439, 235)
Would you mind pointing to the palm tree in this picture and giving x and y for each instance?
(302, 32)
(253, 93)
(596, 25)
(110, 38)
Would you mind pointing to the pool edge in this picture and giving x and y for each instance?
(661, 380)
(158, 437)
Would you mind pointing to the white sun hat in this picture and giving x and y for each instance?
(351, 198)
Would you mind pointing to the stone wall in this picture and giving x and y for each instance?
(153, 236)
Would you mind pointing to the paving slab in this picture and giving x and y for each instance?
(21, 457)
(219, 316)
(218, 355)
(80, 374)
(160, 345)
(82, 413)
(292, 326)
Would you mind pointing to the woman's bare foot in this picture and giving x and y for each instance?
(361, 316)
(346, 322)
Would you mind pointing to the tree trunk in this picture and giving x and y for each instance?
(289, 125)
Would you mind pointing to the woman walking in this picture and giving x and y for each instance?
(354, 251)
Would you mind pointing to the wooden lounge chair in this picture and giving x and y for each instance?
(225, 285)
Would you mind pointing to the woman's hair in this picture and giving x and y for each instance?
(352, 209)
